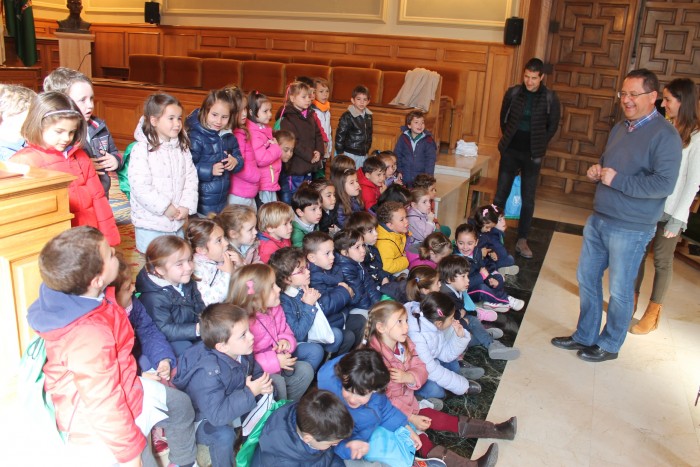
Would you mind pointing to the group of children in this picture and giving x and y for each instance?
(347, 280)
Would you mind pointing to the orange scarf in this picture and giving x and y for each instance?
(323, 107)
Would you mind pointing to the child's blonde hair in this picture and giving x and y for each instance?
(274, 214)
(47, 109)
(14, 100)
(154, 107)
(436, 243)
(418, 193)
(233, 216)
(380, 313)
(250, 286)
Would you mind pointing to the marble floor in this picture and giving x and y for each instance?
(637, 410)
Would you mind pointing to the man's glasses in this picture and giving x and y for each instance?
(631, 95)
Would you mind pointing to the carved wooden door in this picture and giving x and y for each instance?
(589, 47)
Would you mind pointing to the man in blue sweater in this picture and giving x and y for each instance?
(637, 171)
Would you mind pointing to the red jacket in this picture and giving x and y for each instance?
(370, 191)
(86, 195)
(269, 245)
(400, 394)
(90, 371)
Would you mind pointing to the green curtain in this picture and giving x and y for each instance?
(19, 19)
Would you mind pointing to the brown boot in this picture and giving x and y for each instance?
(649, 321)
(452, 459)
(473, 428)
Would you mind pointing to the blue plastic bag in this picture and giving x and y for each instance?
(394, 448)
(515, 201)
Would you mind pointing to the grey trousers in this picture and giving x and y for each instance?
(292, 385)
(664, 249)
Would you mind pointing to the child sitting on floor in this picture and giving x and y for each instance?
(274, 227)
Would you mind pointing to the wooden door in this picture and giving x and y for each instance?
(589, 47)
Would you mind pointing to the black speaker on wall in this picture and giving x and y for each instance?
(513, 32)
(151, 12)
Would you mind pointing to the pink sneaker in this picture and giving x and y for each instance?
(486, 315)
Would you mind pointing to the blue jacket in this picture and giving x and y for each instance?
(216, 383)
(366, 292)
(476, 262)
(335, 300)
(493, 240)
(300, 315)
(174, 314)
(342, 215)
(396, 290)
(410, 161)
(149, 340)
(374, 266)
(207, 148)
(378, 411)
(281, 446)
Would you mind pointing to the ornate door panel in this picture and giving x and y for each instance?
(590, 53)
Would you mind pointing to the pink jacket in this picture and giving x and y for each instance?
(245, 183)
(268, 328)
(267, 156)
(400, 394)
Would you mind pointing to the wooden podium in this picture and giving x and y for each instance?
(33, 209)
(75, 51)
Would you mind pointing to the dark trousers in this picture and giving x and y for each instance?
(220, 440)
(511, 163)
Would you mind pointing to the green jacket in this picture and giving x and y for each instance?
(299, 231)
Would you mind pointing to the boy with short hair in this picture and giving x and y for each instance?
(222, 378)
(353, 136)
(14, 106)
(303, 433)
(327, 278)
(391, 236)
(274, 228)
(306, 203)
(371, 177)
(90, 371)
(100, 147)
(454, 275)
(367, 224)
(322, 107)
(415, 149)
(286, 141)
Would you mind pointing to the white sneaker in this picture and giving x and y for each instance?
(515, 303)
(497, 307)
(509, 270)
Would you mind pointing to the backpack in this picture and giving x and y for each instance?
(515, 90)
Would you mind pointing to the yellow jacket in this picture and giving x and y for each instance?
(392, 249)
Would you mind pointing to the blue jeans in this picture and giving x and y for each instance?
(310, 353)
(220, 440)
(431, 388)
(289, 184)
(607, 246)
(342, 343)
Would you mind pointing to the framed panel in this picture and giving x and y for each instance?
(455, 12)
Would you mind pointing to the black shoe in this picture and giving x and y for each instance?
(595, 354)
(567, 343)
(474, 388)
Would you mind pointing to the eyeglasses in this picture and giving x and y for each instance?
(301, 270)
(631, 95)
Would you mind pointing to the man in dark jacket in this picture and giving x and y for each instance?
(529, 119)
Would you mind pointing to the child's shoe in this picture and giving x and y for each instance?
(497, 307)
(498, 351)
(420, 462)
(438, 404)
(495, 333)
(452, 459)
(473, 428)
(486, 315)
(160, 443)
(509, 270)
(474, 388)
(470, 371)
(515, 303)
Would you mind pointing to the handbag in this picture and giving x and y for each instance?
(393, 448)
(320, 331)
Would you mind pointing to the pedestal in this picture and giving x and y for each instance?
(74, 51)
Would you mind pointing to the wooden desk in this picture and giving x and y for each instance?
(453, 175)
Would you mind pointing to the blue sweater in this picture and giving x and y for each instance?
(647, 163)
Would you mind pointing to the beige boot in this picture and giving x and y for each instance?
(649, 321)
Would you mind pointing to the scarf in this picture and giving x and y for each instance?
(323, 107)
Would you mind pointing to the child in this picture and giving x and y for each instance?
(336, 295)
(367, 224)
(306, 203)
(454, 274)
(347, 190)
(309, 147)
(300, 302)
(340, 163)
(421, 281)
(415, 148)
(212, 264)
(286, 141)
(429, 182)
(275, 228)
(239, 224)
(350, 248)
(353, 136)
(214, 149)
(14, 107)
(163, 179)
(329, 207)
(390, 160)
(222, 378)
(267, 151)
(245, 184)
(391, 236)
(484, 285)
(386, 332)
(322, 107)
(99, 143)
(167, 292)
(491, 222)
(253, 288)
(421, 219)
(371, 178)
(430, 251)
(54, 131)
(304, 433)
(359, 380)
(90, 371)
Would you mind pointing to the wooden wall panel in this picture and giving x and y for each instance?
(110, 48)
(179, 44)
(143, 43)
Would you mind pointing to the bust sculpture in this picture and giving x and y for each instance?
(74, 23)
